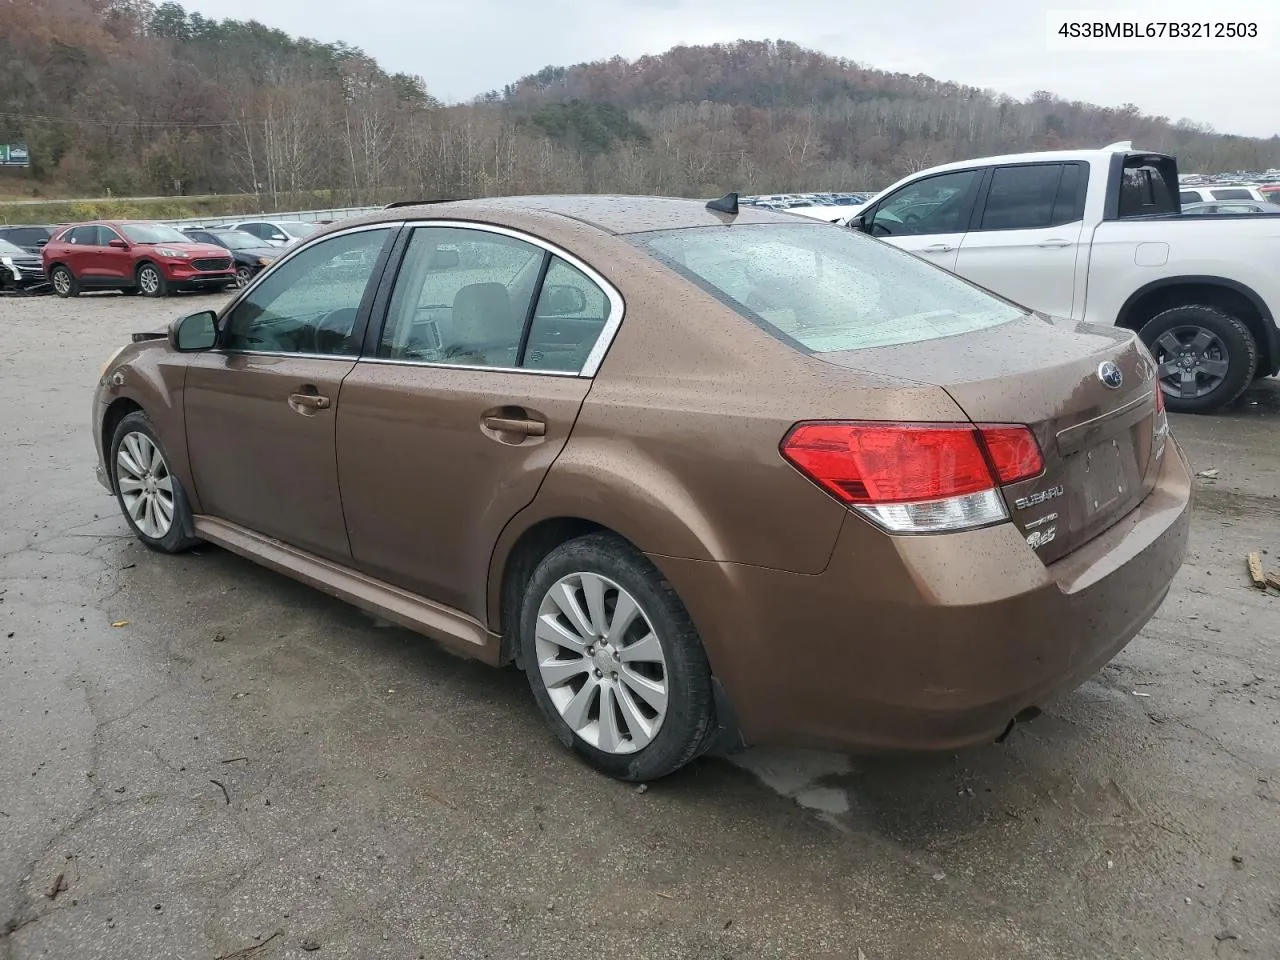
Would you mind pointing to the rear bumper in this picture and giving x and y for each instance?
(932, 642)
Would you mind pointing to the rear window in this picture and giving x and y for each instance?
(824, 289)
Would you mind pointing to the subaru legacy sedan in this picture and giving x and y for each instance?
(709, 476)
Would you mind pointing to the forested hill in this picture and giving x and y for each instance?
(134, 97)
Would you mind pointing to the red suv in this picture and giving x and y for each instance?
(139, 257)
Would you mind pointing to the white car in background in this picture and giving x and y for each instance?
(278, 233)
(1209, 193)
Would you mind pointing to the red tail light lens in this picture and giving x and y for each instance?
(1014, 453)
(916, 477)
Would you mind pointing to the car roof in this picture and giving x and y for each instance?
(609, 213)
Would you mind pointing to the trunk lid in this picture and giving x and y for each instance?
(1101, 443)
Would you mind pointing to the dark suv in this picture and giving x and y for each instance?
(30, 237)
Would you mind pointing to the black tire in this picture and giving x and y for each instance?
(689, 723)
(1230, 340)
(151, 281)
(243, 275)
(64, 282)
(180, 535)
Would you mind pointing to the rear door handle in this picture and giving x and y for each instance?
(1054, 243)
(939, 248)
(307, 403)
(528, 428)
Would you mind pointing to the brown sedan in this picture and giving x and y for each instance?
(709, 477)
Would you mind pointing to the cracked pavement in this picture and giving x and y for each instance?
(221, 763)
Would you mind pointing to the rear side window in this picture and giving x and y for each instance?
(825, 290)
(1236, 193)
(84, 236)
(1189, 196)
(1034, 196)
(1145, 190)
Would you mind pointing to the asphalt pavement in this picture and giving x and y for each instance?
(203, 759)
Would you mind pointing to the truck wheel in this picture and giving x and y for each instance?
(1206, 357)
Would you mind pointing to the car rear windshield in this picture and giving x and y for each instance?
(826, 289)
(152, 233)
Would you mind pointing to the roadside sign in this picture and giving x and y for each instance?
(14, 155)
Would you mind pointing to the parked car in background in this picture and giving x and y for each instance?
(1231, 206)
(1097, 235)
(29, 237)
(1208, 194)
(518, 426)
(278, 233)
(137, 256)
(249, 253)
(19, 269)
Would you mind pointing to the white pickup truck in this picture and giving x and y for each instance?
(1098, 235)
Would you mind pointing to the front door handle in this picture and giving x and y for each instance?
(527, 428)
(308, 403)
(939, 248)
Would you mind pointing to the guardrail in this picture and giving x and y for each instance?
(306, 216)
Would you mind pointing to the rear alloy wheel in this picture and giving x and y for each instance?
(150, 281)
(64, 284)
(150, 496)
(1206, 357)
(614, 660)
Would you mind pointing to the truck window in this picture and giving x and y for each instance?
(938, 204)
(1021, 198)
(1145, 188)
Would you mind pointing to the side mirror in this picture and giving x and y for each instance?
(561, 300)
(118, 244)
(41, 243)
(279, 238)
(194, 332)
(862, 222)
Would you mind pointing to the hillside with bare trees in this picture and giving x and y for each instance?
(131, 97)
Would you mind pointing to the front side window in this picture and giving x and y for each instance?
(824, 290)
(310, 303)
(938, 204)
(462, 297)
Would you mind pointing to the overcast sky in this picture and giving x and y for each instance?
(465, 47)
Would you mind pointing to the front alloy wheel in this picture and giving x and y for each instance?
(243, 276)
(145, 485)
(150, 282)
(602, 663)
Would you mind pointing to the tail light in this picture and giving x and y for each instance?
(917, 477)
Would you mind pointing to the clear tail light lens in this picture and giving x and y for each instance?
(916, 477)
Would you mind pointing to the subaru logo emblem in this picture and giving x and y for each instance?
(1110, 375)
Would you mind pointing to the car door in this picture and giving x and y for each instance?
(928, 216)
(115, 263)
(79, 247)
(260, 408)
(1025, 241)
(464, 399)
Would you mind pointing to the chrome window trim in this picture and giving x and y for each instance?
(390, 362)
(617, 306)
(285, 354)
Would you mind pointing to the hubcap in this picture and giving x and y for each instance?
(601, 663)
(61, 282)
(145, 485)
(1193, 362)
(149, 280)
(242, 276)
